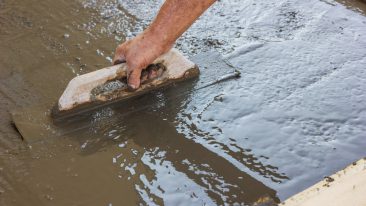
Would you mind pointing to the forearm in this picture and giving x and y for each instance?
(174, 18)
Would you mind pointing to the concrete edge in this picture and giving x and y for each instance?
(346, 187)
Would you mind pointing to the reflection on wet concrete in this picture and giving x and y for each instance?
(202, 177)
(295, 115)
(199, 175)
(173, 169)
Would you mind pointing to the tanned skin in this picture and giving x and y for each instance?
(173, 19)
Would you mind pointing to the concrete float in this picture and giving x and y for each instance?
(110, 84)
(346, 187)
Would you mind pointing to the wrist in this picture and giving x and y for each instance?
(160, 40)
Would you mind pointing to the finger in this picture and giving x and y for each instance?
(118, 61)
(119, 56)
(153, 74)
(133, 79)
(144, 76)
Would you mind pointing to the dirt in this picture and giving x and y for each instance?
(214, 146)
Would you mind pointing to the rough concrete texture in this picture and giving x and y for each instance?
(301, 99)
(300, 103)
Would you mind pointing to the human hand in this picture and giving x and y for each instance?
(138, 53)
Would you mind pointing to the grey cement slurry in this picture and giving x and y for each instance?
(300, 103)
(297, 114)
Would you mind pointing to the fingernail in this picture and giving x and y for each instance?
(132, 87)
(119, 61)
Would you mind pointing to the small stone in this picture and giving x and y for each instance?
(66, 36)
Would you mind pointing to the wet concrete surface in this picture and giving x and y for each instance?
(296, 115)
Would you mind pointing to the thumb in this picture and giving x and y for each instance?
(133, 79)
(119, 55)
(119, 59)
